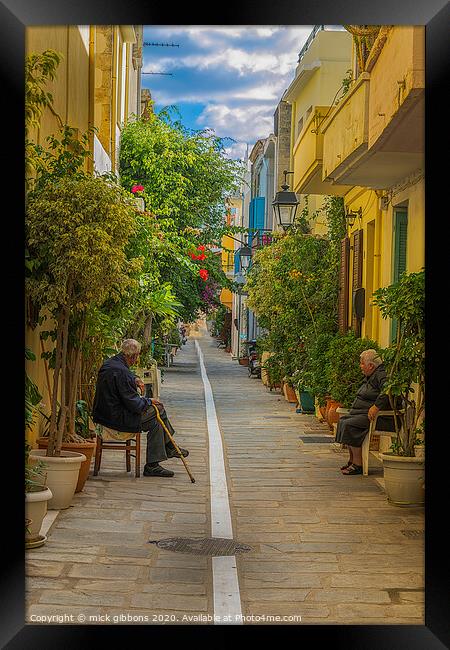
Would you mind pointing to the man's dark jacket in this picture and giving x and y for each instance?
(117, 404)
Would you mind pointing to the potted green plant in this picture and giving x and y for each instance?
(274, 369)
(404, 302)
(419, 443)
(81, 263)
(345, 377)
(37, 495)
(83, 441)
(289, 388)
(313, 382)
(36, 492)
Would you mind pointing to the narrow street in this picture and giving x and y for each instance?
(324, 547)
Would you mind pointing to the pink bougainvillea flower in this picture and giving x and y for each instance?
(137, 188)
(203, 274)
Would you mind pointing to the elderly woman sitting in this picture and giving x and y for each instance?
(352, 428)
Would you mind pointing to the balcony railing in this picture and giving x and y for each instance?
(262, 237)
(311, 37)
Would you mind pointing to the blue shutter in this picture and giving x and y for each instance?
(236, 263)
(259, 212)
(251, 220)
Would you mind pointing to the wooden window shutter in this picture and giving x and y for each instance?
(400, 238)
(399, 261)
(343, 286)
(357, 274)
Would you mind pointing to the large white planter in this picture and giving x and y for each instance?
(404, 478)
(62, 476)
(36, 509)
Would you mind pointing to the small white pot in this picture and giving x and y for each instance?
(36, 509)
(62, 475)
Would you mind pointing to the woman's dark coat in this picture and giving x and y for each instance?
(353, 428)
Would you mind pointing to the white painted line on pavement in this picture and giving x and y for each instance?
(227, 598)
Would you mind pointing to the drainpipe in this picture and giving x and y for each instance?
(127, 79)
(139, 67)
(91, 114)
(114, 100)
(239, 328)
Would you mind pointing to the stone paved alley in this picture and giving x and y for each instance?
(326, 547)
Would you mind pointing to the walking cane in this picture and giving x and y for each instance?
(173, 442)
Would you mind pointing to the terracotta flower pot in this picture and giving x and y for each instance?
(243, 361)
(87, 448)
(289, 394)
(332, 416)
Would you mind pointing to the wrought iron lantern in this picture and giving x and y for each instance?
(245, 256)
(285, 205)
(351, 215)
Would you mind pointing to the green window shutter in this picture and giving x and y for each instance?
(399, 250)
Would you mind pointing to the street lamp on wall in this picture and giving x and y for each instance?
(245, 256)
(351, 215)
(285, 205)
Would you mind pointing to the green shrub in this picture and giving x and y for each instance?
(345, 375)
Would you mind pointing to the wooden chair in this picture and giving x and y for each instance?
(128, 442)
(372, 431)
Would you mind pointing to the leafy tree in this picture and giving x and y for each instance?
(186, 177)
(404, 301)
(76, 233)
(186, 174)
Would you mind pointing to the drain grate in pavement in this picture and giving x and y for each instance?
(413, 533)
(317, 438)
(206, 546)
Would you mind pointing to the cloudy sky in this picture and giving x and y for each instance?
(227, 78)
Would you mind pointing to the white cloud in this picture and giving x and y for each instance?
(236, 150)
(240, 75)
(236, 59)
(246, 124)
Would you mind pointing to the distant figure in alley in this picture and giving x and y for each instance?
(353, 428)
(118, 405)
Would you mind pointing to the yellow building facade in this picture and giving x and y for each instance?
(229, 245)
(323, 64)
(97, 84)
(373, 141)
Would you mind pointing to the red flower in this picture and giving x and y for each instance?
(201, 257)
(204, 274)
(193, 256)
(200, 247)
(137, 188)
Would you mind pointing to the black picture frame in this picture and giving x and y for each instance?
(15, 16)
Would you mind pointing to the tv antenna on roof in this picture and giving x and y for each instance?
(146, 44)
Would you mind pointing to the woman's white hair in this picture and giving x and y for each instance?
(130, 347)
(371, 356)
